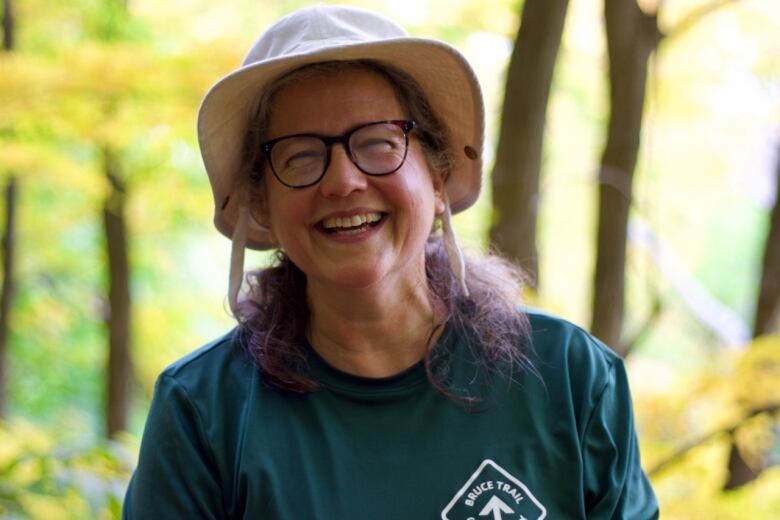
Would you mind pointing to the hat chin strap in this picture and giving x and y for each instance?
(454, 253)
(238, 247)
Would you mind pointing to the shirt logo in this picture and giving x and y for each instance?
(492, 493)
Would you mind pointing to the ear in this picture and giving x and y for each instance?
(438, 193)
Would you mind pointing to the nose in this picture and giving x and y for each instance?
(342, 177)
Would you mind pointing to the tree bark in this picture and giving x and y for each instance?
(119, 367)
(768, 306)
(9, 34)
(632, 36)
(8, 288)
(767, 315)
(8, 241)
(515, 177)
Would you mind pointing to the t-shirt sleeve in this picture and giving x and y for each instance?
(175, 476)
(615, 485)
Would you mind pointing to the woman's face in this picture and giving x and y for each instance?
(302, 220)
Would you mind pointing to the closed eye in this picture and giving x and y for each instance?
(378, 145)
(302, 159)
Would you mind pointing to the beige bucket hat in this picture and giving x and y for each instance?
(323, 33)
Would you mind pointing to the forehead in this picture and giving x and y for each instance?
(331, 102)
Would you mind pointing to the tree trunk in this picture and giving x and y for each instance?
(768, 306)
(8, 241)
(8, 288)
(515, 177)
(119, 368)
(631, 37)
(8, 26)
(767, 315)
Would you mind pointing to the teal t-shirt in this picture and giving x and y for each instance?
(556, 444)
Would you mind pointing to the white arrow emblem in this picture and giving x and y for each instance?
(496, 506)
(488, 494)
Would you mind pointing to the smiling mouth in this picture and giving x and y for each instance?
(356, 224)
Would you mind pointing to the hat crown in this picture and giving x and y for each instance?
(321, 27)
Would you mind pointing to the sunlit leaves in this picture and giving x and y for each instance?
(40, 479)
(757, 379)
(724, 398)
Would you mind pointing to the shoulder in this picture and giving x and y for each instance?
(203, 395)
(575, 368)
(560, 342)
(220, 351)
(214, 367)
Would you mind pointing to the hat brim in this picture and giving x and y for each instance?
(444, 75)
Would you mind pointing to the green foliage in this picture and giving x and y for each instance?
(42, 478)
(101, 88)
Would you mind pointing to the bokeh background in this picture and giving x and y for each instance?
(97, 119)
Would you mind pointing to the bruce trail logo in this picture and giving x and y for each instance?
(492, 493)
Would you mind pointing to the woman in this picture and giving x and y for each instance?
(375, 373)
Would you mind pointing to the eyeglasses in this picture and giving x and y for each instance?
(377, 148)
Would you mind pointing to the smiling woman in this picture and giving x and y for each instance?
(375, 371)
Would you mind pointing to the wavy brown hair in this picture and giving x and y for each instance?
(274, 318)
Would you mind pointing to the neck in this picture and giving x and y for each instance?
(375, 331)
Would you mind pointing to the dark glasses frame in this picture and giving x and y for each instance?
(329, 140)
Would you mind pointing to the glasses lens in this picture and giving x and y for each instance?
(379, 148)
(299, 161)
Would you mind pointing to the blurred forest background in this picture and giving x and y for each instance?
(636, 178)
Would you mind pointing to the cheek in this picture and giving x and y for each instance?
(281, 214)
(415, 193)
(426, 200)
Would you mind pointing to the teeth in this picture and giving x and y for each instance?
(350, 222)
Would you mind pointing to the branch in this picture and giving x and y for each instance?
(695, 16)
(677, 455)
